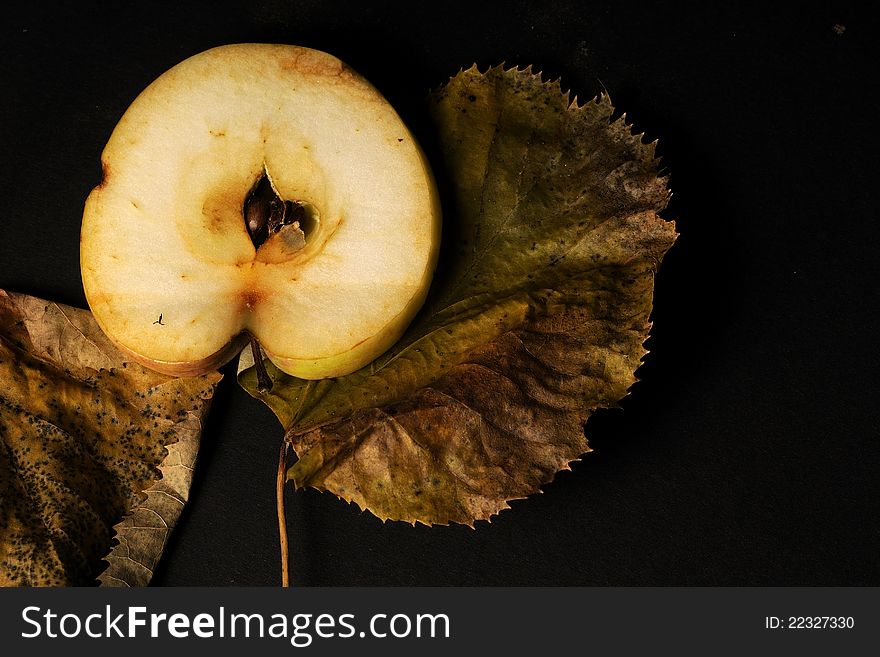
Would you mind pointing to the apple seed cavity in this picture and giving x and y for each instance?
(266, 214)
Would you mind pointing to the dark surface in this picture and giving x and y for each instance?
(749, 452)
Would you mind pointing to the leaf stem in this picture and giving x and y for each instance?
(264, 382)
(282, 521)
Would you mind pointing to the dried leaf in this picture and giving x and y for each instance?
(537, 315)
(82, 433)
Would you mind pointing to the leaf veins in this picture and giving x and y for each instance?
(536, 317)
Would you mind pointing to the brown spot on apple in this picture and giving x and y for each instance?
(311, 62)
(105, 174)
(214, 220)
(250, 298)
(220, 210)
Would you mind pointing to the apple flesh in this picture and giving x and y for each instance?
(172, 268)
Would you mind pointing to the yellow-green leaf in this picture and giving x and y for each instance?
(536, 317)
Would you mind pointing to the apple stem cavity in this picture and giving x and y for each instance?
(264, 381)
(266, 213)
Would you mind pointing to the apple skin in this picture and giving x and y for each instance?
(164, 233)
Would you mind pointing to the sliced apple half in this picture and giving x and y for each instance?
(261, 190)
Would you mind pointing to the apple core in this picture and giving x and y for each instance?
(266, 214)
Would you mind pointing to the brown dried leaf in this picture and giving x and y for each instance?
(82, 433)
(537, 315)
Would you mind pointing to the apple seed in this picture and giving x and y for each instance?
(266, 214)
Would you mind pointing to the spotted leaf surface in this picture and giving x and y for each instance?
(85, 439)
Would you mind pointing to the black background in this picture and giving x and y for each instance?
(748, 454)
